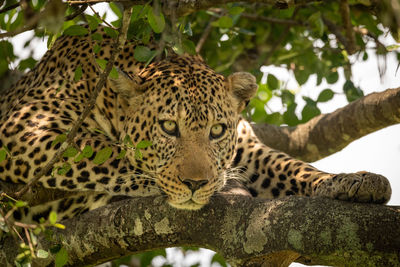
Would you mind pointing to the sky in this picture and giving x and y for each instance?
(378, 152)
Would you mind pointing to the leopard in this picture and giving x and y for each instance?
(189, 114)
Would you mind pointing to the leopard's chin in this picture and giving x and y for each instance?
(187, 205)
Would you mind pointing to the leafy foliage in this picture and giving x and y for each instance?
(309, 41)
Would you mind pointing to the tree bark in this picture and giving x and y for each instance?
(246, 231)
(329, 133)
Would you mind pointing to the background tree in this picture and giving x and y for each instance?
(309, 38)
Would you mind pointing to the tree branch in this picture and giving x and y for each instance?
(246, 231)
(8, 8)
(185, 7)
(329, 133)
(290, 22)
(346, 18)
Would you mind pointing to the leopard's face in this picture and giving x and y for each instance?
(190, 114)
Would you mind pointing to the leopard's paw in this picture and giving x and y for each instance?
(357, 187)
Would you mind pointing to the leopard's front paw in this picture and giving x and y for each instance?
(357, 187)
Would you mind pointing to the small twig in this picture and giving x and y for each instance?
(205, 35)
(333, 28)
(7, 223)
(23, 225)
(117, 47)
(272, 20)
(9, 8)
(30, 25)
(77, 12)
(28, 237)
(98, 15)
(351, 39)
(17, 233)
(33, 22)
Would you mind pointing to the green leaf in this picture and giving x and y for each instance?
(53, 217)
(111, 32)
(156, 21)
(325, 95)
(219, 259)
(59, 139)
(70, 152)
(61, 257)
(147, 257)
(3, 155)
(102, 63)
(78, 73)
(43, 254)
(76, 30)
(143, 144)
(287, 97)
(59, 226)
(6, 50)
(128, 141)
(7, 150)
(20, 204)
(393, 47)
(115, 9)
(272, 81)
(289, 116)
(189, 47)
(97, 36)
(113, 73)
(332, 77)
(352, 93)
(28, 63)
(223, 22)
(121, 154)
(274, 118)
(103, 155)
(143, 53)
(264, 93)
(96, 48)
(188, 29)
(138, 154)
(309, 112)
(64, 168)
(87, 152)
(301, 76)
(317, 23)
(236, 10)
(93, 22)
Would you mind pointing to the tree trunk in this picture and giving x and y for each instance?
(246, 231)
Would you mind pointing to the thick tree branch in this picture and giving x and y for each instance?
(246, 231)
(329, 133)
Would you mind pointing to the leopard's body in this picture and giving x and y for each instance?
(188, 112)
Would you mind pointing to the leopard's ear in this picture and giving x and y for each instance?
(243, 87)
(126, 85)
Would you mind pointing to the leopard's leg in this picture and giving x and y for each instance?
(272, 174)
(65, 208)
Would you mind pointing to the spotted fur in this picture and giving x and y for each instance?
(188, 161)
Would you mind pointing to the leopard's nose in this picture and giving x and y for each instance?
(194, 185)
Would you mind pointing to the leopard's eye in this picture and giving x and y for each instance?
(217, 131)
(170, 127)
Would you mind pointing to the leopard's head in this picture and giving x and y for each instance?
(190, 114)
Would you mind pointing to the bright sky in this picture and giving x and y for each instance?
(378, 152)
